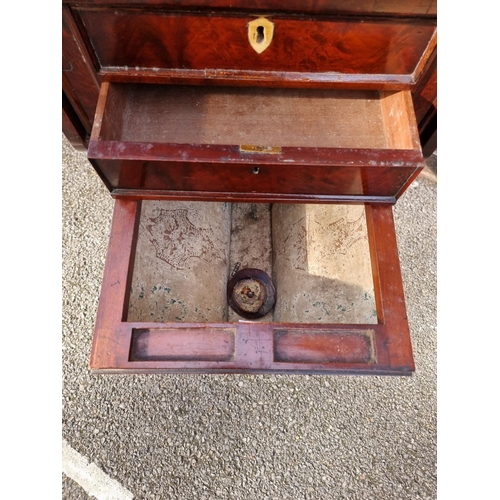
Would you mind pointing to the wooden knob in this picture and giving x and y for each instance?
(251, 293)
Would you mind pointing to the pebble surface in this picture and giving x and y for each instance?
(248, 436)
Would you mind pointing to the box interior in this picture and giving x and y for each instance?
(318, 257)
(308, 118)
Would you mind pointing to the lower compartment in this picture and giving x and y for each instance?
(317, 256)
(339, 304)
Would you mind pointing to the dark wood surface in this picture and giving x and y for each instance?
(334, 182)
(251, 347)
(331, 144)
(325, 49)
(80, 80)
(420, 8)
(425, 103)
(72, 126)
(83, 71)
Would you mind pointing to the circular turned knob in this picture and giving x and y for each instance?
(251, 293)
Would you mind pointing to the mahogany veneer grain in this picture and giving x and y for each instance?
(417, 8)
(84, 71)
(325, 49)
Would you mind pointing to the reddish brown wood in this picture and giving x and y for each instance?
(111, 342)
(72, 106)
(249, 197)
(80, 81)
(418, 8)
(72, 126)
(249, 347)
(382, 45)
(78, 52)
(347, 182)
(425, 95)
(135, 163)
(399, 121)
(425, 104)
(394, 340)
(231, 155)
(268, 79)
(324, 48)
(183, 344)
(306, 346)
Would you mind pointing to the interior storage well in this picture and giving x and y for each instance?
(317, 255)
(238, 115)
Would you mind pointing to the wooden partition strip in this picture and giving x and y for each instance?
(99, 113)
(393, 339)
(111, 344)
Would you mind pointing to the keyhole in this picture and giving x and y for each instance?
(260, 34)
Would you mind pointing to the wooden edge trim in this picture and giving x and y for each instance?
(68, 17)
(395, 337)
(426, 56)
(250, 78)
(363, 8)
(425, 75)
(220, 370)
(215, 153)
(248, 197)
(99, 112)
(111, 342)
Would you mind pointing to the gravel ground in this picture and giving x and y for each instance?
(248, 436)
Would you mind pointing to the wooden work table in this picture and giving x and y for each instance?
(274, 135)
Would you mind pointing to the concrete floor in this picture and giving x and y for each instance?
(241, 436)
